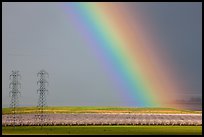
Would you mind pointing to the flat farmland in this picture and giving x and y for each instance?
(101, 109)
(103, 120)
(84, 115)
(103, 130)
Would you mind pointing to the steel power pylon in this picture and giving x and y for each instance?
(14, 94)
(42, 96)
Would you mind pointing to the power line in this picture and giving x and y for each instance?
(42, 96)
(14, 94)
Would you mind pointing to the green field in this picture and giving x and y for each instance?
(104, 130)
(93, 109)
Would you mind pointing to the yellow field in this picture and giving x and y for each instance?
(93, 109)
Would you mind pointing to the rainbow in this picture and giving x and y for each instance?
(127, 51)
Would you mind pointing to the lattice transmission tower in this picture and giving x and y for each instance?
(14, 93)
(41, 116)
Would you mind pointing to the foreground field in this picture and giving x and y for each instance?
(92, 109)
(105, 130)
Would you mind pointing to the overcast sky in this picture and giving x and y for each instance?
(39, 36)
